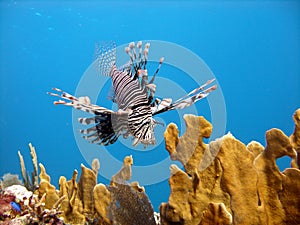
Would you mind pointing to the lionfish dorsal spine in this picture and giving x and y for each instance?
(105, 58)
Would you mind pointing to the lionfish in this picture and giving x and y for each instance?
(134, 95)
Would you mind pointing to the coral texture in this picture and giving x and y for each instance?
(295, 137)
(47, 189)
(71, 205)
(130, 206)
(86, 186)
(227, 182)
(102, 198)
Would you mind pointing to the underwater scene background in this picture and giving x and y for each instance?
(252, 48)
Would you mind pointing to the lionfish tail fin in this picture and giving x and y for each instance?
(105, 57)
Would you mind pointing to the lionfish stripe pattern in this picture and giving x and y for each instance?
(134, 95)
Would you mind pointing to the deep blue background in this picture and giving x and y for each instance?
(253, 48)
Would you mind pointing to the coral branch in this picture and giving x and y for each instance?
(35, 165)
(124, 173)
(23, 170)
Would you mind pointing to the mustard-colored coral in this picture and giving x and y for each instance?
(295, 137)
(216, 214)
(86, 184)
(189, 148)
(45, 187)
(227, 182)
(102, 200)
(271, 180)
(71, 205)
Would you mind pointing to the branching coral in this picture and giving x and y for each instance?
(124, 174)
(30, 184)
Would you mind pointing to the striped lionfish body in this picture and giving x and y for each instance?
(134, 95)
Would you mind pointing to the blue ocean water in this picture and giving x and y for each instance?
(251, 47)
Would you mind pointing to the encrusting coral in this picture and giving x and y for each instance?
(226, 182)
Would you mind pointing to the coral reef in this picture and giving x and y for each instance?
(82, 202)
(20, 206)
(224, 182)
(227, 182)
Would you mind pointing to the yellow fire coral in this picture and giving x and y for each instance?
(227, 182)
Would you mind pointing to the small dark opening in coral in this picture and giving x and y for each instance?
(283, 163)
(259, 201)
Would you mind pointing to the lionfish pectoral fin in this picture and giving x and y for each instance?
(189, 99)
(106, 127)
(159, 123)
(135, 141)
(161, 104)
(101, 132)
(81, 103)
